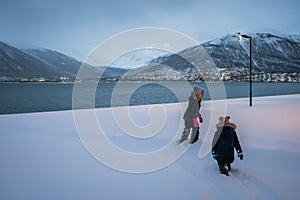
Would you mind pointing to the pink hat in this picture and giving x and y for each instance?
(227, 118)
(221, 119)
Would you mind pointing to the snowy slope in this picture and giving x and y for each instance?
(35, 63)
(137, 58)
(16, 63)
(57, 60)
(42, 156)
(271, 52)
(46, 63)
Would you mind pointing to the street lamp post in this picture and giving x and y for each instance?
(250, 94)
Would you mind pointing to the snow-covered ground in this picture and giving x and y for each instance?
(42, 156)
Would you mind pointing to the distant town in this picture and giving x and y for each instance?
(216, 74)
(37, 79)
(189, 74)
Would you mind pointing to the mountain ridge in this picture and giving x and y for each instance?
(42, 63)
(271, 53)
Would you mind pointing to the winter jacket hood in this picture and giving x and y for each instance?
(228, 124)
(194, 96)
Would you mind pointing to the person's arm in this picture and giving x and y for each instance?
(237, 146)
(215, 144)
(194, 108)
(215, 141)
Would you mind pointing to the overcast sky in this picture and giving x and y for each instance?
(75, 27)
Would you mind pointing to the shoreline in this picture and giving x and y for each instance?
(138, 81)
(48, 97)
(146, 105)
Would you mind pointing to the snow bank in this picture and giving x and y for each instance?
(42, 156)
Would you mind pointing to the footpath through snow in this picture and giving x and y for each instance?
(42, 156)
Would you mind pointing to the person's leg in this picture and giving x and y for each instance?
(229, 166)
(186, 131)
(194, 135)
(185, 134)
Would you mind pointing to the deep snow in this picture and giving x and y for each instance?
(42, 156)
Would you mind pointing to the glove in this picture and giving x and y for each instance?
(201, 118)
(214, 155)
(196, 124)
(241, 155)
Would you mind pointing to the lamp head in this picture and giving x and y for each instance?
(246, 36)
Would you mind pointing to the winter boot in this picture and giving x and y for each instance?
(182, 139)
(229, 166)
(223, 170)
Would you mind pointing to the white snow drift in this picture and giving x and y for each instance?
(42, 156)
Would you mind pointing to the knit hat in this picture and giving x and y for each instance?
(225, 122)
(221, 119)
(227, 119)
(198, 90)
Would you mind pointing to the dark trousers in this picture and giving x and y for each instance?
(194, 138)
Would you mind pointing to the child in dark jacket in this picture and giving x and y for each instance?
(224, 142)
(192, 117)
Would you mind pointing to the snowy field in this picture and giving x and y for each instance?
(42, 156)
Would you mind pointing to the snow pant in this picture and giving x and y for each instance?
(187, 130)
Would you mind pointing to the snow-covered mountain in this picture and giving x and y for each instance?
(59, 61)
(35, 63)
(271, 53)
(16, 63)
(43, 63)
(138, 58)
